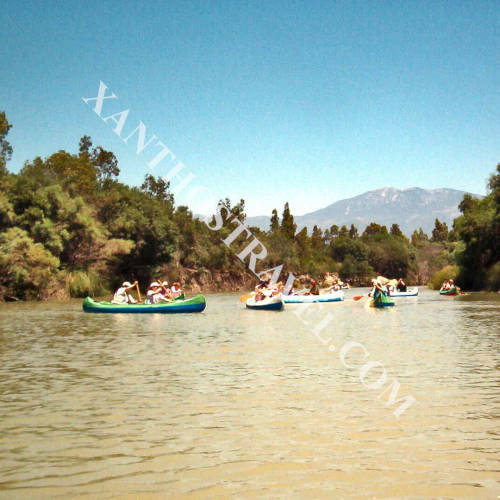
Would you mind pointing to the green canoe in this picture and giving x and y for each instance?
(194, 304)
(451, 291)
(382, 300)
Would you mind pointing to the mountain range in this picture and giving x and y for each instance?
(411, 208)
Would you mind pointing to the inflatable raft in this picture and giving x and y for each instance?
(451, 291)
(194, 304)
(308, 299)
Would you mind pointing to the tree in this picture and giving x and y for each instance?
(303, 241)
(440, 231)
(5, 147)
(288, 226)
(75, 173)
(317, 239)
(26, 267)
(343, 232)
(353, 232)
(343, 246)
(84, 146)
(478, 231)
(275, 222)
(158, 189)
(375, 229)
(105, 163)
(396, 231)
(418, 237)
(334, 231)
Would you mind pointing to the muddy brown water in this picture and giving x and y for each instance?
(248, 404)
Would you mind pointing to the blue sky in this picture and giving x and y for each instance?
(306, 102)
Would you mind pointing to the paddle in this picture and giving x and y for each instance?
(246, 297)
(357, 297)
(167, 294)
(138, 291)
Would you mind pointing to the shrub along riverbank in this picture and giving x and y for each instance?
(68, 227)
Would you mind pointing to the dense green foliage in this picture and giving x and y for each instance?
(68, 227)
(446, 273)
(478, 230)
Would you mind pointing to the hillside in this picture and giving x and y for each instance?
(411, 208)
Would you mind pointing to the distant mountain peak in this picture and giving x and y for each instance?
(411, 208)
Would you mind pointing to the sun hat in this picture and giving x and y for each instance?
(165, 283)
(154, 284)
(126, 284)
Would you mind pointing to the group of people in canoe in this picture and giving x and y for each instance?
(266, 289)
(335, 286)
(158, 291)
(385, 286)
(448, 285)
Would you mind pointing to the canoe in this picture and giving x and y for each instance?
(194, 304)
(274, 303)
(410, 292)
(382, 301)
(451, 291)
(308, 299)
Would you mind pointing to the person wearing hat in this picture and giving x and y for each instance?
(314, 288)
(176, 289)
(166, 292)
(152, 291)
(122, 296)
(154, 294)
(378, 288)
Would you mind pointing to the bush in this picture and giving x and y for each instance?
(27, 269)
(86, 283)
(448, 272)
(493, 277)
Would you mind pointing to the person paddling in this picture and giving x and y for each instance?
(167, 293)
(154, 294)
(122, 296)
(378, 289)
(401, 285)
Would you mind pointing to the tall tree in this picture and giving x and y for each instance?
(275, 222)
(5, 147)
(288, 226)
(440, 231)
(84, 146)
(396, 231)
(478, 228)
(344, 232)
(317, 239)
(334, 231)
(105, 163)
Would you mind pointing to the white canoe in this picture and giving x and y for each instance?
(274, 303)
(410, 292)
(308, 299)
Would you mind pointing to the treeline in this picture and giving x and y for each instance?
(68, 227)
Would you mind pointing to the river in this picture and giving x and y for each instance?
(251, 404)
